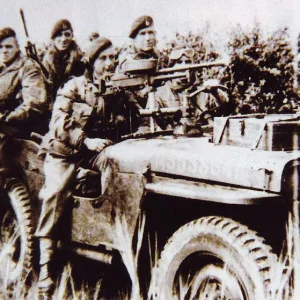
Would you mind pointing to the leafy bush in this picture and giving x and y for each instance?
(261, 72)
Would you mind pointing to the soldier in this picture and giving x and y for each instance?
(23, 96)
(69, 143)
(212, 101)
(143, 38)
(142, 46)
(63, 57)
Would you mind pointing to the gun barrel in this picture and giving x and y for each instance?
(24, 22)
(169, 76)
(146, 112)
(192, 67)
(169, 110)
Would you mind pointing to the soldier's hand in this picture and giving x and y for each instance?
(96, 144)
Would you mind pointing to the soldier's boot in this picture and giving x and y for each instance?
(46, 283)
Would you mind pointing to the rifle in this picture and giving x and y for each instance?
(30, 47)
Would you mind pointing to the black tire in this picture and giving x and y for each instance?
(16, 236)
(214, 258)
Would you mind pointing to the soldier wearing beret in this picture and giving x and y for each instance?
(70, 142)
(142, 46)
(212, 101)
(143, 38)
(63, 57)
(23, 96)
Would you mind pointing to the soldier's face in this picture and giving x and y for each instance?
(182, 61)
(63, 40)
(106, 62)
(9, 49)
(145, 39)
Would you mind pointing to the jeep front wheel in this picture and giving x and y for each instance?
(16, 236)
(213, 258)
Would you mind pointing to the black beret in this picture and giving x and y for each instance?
(140, 23)
(6, 33)
(96, 47)
(60, 26)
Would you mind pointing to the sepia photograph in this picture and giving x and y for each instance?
(149, 150)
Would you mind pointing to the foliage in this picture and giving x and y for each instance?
(200, 42)
(261, 72)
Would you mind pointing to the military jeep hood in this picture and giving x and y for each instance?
(199, 159)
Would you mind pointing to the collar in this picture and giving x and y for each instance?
(143, 54)
(15, 65)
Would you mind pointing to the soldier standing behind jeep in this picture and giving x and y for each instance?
(142, 46)
(63, 57)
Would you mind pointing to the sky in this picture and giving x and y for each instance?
(113, 18)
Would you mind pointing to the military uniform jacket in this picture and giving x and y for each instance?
(22, 89)
(213, 104)
(132, 54)
(167, 96)
(76, 101)
(62, 66)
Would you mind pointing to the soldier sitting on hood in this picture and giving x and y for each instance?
(23, 99)
(212, 101)
(71, 142)
(63, 57)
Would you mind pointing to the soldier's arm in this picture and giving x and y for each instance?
(47, 65)
(221, 96)
(96, 144)
(212, 89)
(210, 104)
(62, 123)
(33, 93)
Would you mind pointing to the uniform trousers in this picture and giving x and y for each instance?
(59, 175)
